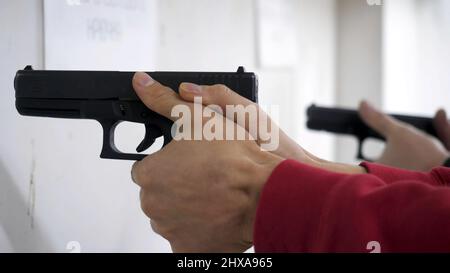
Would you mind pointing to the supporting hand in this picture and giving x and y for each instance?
(406, 146)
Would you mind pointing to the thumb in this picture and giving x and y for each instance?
(442, 126)
(157, 97)
(378, 121)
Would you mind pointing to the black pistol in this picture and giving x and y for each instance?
(348, 122)
(109, 98)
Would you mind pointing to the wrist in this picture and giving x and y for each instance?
(263, 165)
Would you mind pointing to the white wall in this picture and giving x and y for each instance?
(314, 75)
(358, 65)
(53, 186)
(205, 35)
(417, 56)
(21, 44)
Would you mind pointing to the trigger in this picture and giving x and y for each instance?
(151, 133)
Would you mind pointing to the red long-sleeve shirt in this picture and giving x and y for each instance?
(305, 209)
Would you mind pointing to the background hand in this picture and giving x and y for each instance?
(442, 126)
(406, 146)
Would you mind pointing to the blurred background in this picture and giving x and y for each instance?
(56, 194)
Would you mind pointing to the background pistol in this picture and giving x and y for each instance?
(348, 122)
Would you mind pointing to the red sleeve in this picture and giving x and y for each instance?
(305, 209)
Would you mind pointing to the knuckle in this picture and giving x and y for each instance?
(136, 173)
(147, 205)
(140, 173)
(161, 230)
(155, 227)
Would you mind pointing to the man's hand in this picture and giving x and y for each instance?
(406, 146)
(200, 195)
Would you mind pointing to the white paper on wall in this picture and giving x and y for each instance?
(100, 34)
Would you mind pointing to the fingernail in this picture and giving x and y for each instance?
(191, 88)
(143, 79)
